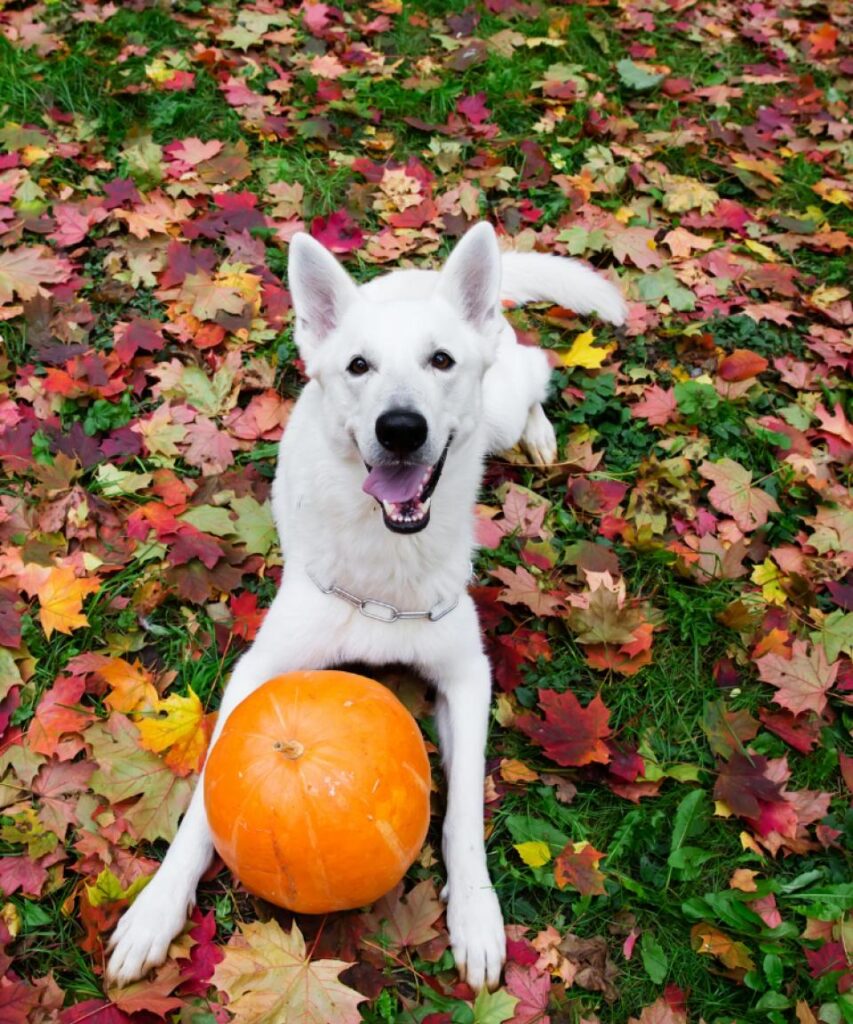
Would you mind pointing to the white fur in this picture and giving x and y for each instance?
(488, 401)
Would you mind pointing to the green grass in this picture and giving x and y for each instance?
(662, 707)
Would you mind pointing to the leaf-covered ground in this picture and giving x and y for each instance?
(667, 609)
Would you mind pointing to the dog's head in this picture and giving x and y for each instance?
(400, 367)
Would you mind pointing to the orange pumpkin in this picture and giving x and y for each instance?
(317, 791)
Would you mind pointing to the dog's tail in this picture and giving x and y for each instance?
(538, 277)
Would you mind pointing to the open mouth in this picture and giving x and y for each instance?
(404, 492)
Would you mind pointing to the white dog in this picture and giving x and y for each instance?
(414, 379)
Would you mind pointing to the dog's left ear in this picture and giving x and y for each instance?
(471, 278)
(321, 291)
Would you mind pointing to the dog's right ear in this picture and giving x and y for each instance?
(321, 290)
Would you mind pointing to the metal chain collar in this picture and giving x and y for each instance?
(380, 610)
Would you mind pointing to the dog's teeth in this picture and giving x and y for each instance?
(425, 505)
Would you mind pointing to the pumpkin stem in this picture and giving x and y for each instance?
(290, 748)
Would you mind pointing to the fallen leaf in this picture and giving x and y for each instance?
(269, 978)
(570, 734)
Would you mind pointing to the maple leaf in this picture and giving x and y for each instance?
(637, 245)
(153, 995)
(607, 619)
(338, 232)
(126, 772)
(734, 494)
(61, 598)
(131, 685)
(683, 193)
(57, 716)
(802, 681)
(532, 988)
(208, 447)
(577, 866)
(523, 588)
(405, 920)
(658, 406)
(207, 296)
(661, 1011)
(710, 941)
(247, 616)
(24, 271)
(269, 979)
(743, 781)
(570, 734)
(176, 724)
(583, 353)
(682, 242)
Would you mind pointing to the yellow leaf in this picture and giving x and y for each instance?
(517, 771)
(158, 71)
(534, 853)
(61, 598)
(583, 354)
(722, 809)
(764, 251)
(767, 576)
(176, 724)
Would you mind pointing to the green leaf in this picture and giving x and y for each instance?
(835, 633)
(494, 1007)
(773, 970)
(636, 77)
(691, 818)
(254, 527)
(654, 959)
(688, 860)
(210, 519)
(663, 284)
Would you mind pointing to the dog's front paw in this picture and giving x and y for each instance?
(142, 937)
(477, 936)
(539, 439)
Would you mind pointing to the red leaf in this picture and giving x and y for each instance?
(247, 616)
(658, 406)
(94, 1011)
(742, 782)
(56, 717)
(800, 731)
(741, 365)
(579, 869)
(532, 988)
(338, 232)
(134, 335)
(570, 734)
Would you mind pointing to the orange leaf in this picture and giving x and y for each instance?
(577, 866)
(61, 597)
(132, 686)
(709, 941)
(741, 365)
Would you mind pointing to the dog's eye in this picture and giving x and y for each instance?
(358, 366)
(441, 360)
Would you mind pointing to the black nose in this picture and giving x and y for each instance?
(401, 431)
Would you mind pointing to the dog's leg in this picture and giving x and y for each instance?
(159, 912)
(473, 913)
(514, 387)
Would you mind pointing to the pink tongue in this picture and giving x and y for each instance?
(394, 483)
